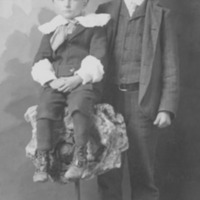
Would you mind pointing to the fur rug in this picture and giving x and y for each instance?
(109, 126)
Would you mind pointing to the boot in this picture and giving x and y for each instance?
(99, 153)
(78, 164)
(42, 165)
(95, 153)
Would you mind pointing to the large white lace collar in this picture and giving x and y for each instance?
(88, 21)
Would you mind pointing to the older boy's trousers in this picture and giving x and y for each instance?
(141, 153)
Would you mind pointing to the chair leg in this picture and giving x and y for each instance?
(77, 189)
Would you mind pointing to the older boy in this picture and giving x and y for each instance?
(143, 76)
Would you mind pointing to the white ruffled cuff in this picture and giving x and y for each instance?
(91, 70)
(42, 72)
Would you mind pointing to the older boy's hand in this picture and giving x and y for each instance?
(162, 120)
(70, 83)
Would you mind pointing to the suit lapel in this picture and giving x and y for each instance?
(153, 19)
(139, 11)
(156, 24)
(152, 23)
(114, 11)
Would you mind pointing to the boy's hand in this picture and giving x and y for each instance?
(162, 120)
(57, 83)
(69, 83)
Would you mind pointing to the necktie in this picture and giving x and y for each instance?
(61, 34)
(132, 7)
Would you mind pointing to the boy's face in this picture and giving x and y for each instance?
(69, 8)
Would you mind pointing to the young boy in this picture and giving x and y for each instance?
(69, 65)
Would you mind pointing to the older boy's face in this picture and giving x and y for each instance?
(69, 8)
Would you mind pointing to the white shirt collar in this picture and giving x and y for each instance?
(88, 21)
(131, 5)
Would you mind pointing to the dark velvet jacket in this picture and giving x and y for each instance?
(69, 55)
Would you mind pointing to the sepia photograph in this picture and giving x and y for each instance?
(100, 100)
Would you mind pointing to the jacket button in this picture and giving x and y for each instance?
(72, 70)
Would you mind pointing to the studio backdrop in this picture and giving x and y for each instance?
(178, 153)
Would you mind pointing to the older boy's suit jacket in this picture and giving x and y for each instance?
(159, 82)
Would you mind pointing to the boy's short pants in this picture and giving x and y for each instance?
(52, 103)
